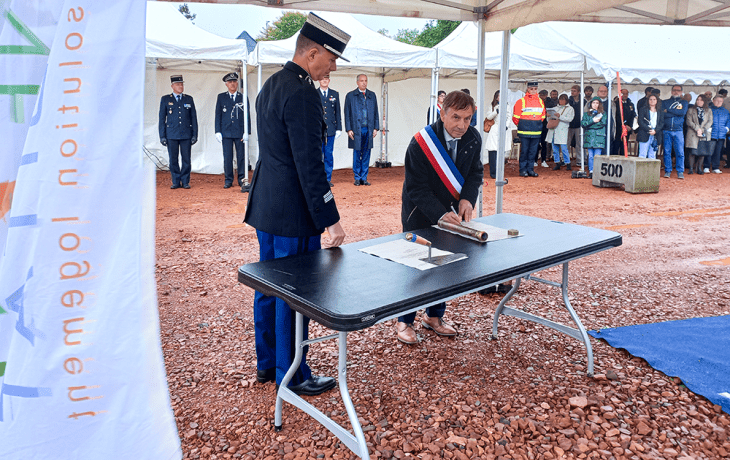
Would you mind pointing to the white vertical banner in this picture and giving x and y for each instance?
(85, 377)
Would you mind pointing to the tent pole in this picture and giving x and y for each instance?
(245, 187)
(480, 101)
(503, 121)
(609, 83)
(580, 96)
(258, 88)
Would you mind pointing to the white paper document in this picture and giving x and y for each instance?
(407, 253)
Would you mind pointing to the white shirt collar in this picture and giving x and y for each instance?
(448, 137)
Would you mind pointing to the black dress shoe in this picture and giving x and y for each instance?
(186, 186)
(314, 386)
(364, 182)
(532, 173)
(174, 186)
(524, 174)
(357, 182)
(568, 168)
(268, 375)
(331, 184)
(227, 186)
(557, 166)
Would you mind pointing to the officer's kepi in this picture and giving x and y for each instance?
(232, 76)
(325, 34)
(532, 84)
(176, 79)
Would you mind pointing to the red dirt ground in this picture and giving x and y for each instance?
(466, 397)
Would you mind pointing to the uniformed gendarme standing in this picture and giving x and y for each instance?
(229, 129)
(290, 203)
(333, 118)
(178, 127)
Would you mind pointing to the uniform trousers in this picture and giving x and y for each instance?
(327, 149)
(228, 144)
(361, 158)
(274, 321)
(528, 152)
(180, 174)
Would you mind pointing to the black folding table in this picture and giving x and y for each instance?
(347, 290)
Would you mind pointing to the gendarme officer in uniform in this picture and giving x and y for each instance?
(178, 126)
(290, 203)
(229, 129)
(333, 118)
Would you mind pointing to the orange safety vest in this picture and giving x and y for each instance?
(528, 114)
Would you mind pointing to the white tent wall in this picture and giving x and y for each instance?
(204, 86)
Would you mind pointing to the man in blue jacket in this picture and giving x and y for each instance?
(290, 203)
(333, 118)
(675, 109)
(178, 127)
(229, 129)
(362, 125)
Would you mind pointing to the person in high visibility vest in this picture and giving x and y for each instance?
(528, 114)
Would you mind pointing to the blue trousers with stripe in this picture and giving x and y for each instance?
(274, 321)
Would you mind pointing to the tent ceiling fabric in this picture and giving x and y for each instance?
(171, 36)
(510, 14)
(366, 48)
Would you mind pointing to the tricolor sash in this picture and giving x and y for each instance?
(440, 160)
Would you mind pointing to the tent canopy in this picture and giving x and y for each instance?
(366, 49)
(632, 50)
(510, 14)
(458, 51)
(171, 36)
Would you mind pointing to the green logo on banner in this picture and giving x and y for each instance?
(36, 47)
(2, 369)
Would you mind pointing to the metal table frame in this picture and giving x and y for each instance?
(356, 442)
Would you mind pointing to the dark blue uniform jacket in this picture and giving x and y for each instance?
(332, 115)
(229, 115)
(178, 120)
(290, 195)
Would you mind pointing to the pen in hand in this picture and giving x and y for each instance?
(452, 208)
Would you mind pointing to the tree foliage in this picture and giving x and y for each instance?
(184, 9)
(287, 25)
(407, 35)
(434, 32)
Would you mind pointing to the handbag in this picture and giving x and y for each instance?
(554, 122)
(488, 124)
(705, 148)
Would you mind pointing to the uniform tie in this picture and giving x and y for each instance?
(177, 97)
(233, 98)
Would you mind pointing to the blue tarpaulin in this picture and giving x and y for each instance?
(696, 350)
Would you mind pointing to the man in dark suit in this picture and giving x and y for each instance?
(229, 129)
(290, 203)
(362, 125)
(427, 198)
(331, 106)
(178, 125)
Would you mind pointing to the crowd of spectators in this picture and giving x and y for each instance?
(689, 136)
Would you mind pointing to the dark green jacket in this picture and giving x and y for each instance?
(595, 133)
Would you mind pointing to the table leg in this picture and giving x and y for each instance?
(578, 334)
(355, 443)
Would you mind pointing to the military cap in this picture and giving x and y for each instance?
(325, 34)
(231, 76)
(531, 83)
(176, 79)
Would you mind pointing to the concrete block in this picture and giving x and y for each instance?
(637, 175)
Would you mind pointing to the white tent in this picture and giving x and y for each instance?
(385, 61)
(176, 46)
(458, 51)
(645, 53)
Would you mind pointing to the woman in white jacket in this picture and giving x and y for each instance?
(558, 136)
(492, 141)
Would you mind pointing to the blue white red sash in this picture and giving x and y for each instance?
(440, 160)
